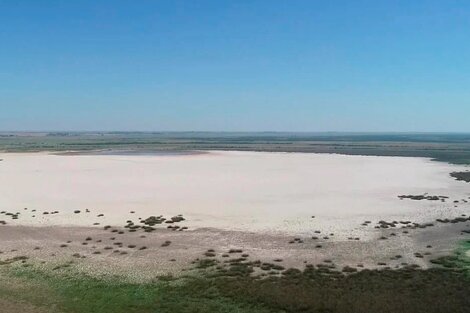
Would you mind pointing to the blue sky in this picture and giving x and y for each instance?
(235, 65)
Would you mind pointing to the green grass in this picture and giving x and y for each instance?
(235, 288)
(71, 292)
(460, 260)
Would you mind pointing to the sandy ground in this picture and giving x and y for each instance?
(257, 202)
(252, 191)
(12, 306)
(102, 252)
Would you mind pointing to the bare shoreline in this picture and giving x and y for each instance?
(141, 256)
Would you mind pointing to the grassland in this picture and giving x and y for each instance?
(239, 286)
(453, 148)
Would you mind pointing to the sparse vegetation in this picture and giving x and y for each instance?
(464, 176)
(235, 287)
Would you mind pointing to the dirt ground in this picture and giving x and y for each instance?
(141, 256)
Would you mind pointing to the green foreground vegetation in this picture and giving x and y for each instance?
(235, 287)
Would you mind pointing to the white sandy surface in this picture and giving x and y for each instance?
(254, 191)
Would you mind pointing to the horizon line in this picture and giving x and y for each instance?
(231, 132)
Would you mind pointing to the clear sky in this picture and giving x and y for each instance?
(235, 65)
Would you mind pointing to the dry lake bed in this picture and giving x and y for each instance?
(145, 215)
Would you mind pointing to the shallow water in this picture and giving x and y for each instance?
(132, 152)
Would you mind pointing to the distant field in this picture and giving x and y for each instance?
(453, 148)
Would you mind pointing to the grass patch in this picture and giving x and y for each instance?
(237, 288)
(459, 261)
(78, 293)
